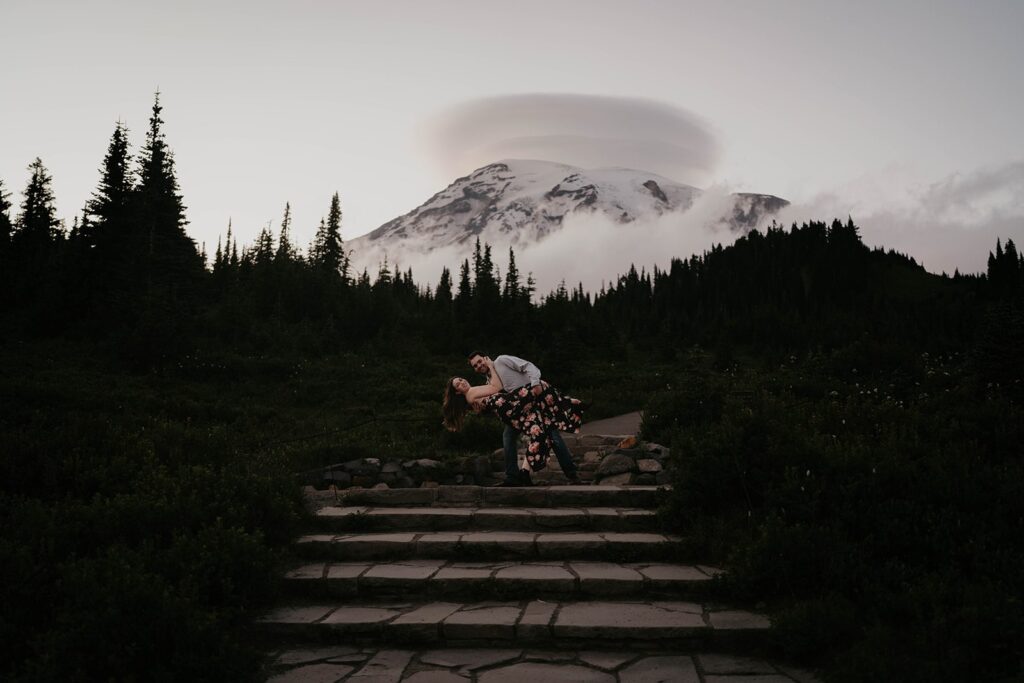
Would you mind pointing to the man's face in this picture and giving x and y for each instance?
(479, 363)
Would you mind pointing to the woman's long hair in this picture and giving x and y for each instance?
(454, 407)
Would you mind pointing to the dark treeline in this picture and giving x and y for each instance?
(126, 271)
(140, 520)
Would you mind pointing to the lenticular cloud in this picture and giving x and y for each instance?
(581, 130)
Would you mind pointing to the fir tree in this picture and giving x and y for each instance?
(285, 250)
(6, 227)
(512, 285)
(444, 288)
(37, 226)
(111, 201)
(329, 254)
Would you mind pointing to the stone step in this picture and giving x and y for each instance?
(366, 518)
(586, 495)
(684, 626)
(498, 580)
(490, 546)
(512, 664)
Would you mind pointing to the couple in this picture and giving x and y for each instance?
(526, 404)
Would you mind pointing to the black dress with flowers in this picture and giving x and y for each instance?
(535, 412)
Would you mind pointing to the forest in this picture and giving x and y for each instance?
(846, 427)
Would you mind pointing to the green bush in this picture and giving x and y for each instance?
(866, 510)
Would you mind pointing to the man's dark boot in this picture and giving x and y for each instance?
(524, 478)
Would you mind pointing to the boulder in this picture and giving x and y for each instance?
(648, 466)
(617, 479)
(364, 467)
(422, 464)
(616, 464)
(339, 478)
(628, 442)
(404, 483)
(391, 467)
(645, 480)
(381, 487)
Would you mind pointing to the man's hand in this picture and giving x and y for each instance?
(537, 389)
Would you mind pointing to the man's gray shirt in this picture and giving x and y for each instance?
(516, 372)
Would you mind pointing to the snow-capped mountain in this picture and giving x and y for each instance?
(521, 202)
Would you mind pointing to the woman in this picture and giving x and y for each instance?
(534, 411)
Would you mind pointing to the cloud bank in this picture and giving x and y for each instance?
(590, 248)
(946, 224)
(590, 131)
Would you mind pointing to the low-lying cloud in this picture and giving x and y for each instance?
(945, 224)
(590, 248)
(590, 131)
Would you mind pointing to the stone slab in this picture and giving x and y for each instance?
(423, 623)
(359, 619)
(757, 678)
(606, 578)
(313, 673)
(297, 615)
(624, 620)
(386, 666)
(476, 622)
(470, 659)
(292, 657)
(535, 624)
(537, 577)
(659, 669)
(407, 572)
(438, 544)
(434, 677)
(540, 671)
(667, 575)
(606, 661)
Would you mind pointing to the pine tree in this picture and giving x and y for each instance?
(285, 250)
(512, 285)
(444, 288)
(37, 226)
(170, 261)
(6, 227)
(328, 252)
(263, 253)
(111, 201)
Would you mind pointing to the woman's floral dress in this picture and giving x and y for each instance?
(535, 415)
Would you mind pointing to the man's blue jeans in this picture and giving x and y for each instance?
(510, 439)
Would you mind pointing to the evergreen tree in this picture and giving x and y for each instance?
(6, 227)
(170, 261)
(328, 253)
(443, 296)
(285, 250)
(37, 226)
(111, 202)
(264, 251)
(512, 285)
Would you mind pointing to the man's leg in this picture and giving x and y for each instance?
(510, 439)
(564, 456)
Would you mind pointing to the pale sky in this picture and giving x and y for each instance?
(906, 114)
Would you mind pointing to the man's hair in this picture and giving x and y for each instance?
(476, 353)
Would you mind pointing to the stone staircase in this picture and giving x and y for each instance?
(469, 583)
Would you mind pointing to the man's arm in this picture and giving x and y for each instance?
(524, 367)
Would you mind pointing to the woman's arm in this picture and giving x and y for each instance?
(493, 386)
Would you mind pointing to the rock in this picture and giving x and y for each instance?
(404, 483)
(628, 442)
(363, 467)
(616, 464)
(654, 448)
(365, 482)
(617, 479)
(648, 465)
(645, 480)
(391, 467)
(422, 464)
(381, 486)
(591, 456)
(662, 478)
(459, 479)
(429, 485)
(482, 468)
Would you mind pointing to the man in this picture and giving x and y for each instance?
(514, 374)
